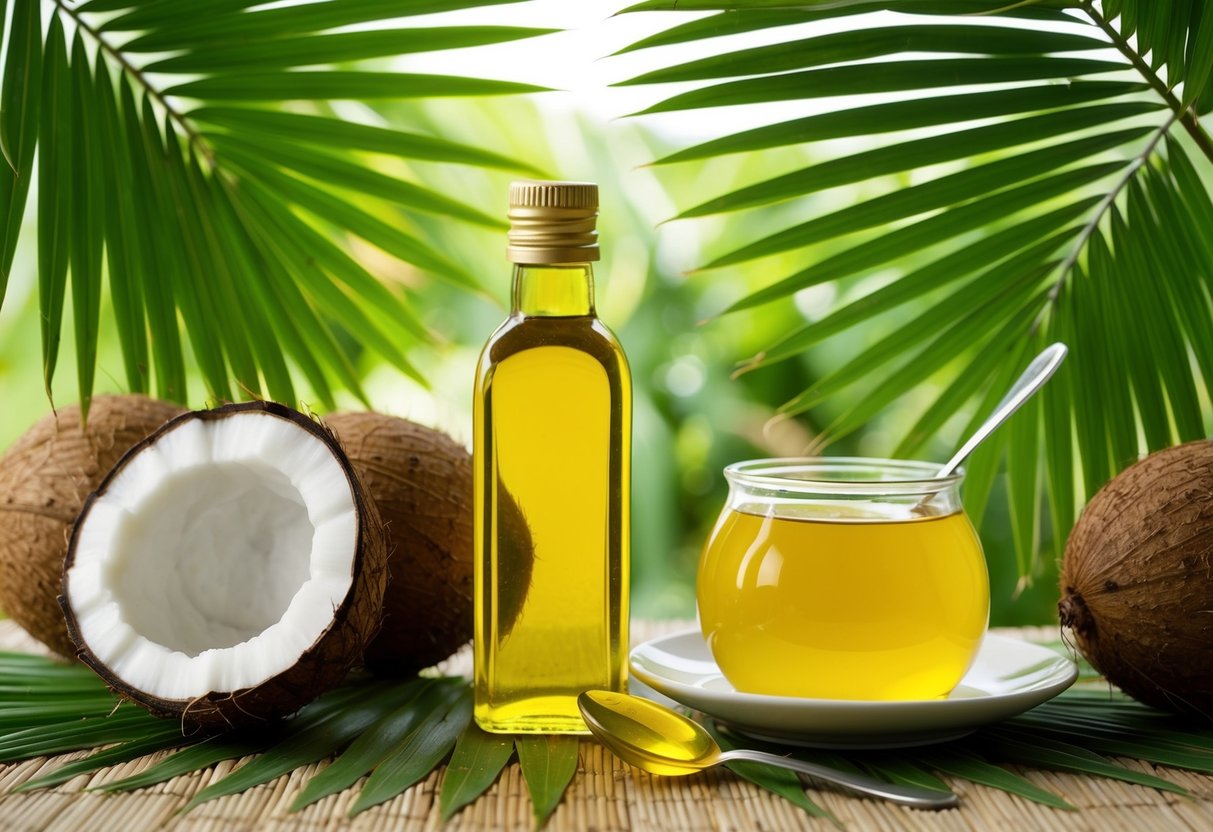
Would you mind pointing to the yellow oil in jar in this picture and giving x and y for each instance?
(553, 405)
(850, 607)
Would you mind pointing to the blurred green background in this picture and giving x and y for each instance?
(691, 417)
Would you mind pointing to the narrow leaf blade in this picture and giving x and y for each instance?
(88, 232)
(475, 765)
(890, 76)
(974, 769)
(348, 135)
(55, 195)
(417, 757)
(337, 48)
(340, 84)
(421, 701)
(20, 103)
(307, 745)
(548, 766)
(169, 737)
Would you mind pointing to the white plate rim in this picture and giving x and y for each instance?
(921, 718)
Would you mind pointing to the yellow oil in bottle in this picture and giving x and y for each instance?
(836, 607)
(552, 453)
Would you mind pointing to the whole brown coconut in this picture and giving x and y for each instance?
(44, 477)
(1137, 581)
(421, 480)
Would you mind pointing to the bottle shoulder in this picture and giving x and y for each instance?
(586, 334)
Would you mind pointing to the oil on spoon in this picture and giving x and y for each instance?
(661, 741)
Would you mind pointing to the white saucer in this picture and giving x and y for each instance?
(1007, 678)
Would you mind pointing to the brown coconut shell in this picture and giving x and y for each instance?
(319, 668)
(422, 481)
(45, 477)
(1137, 580)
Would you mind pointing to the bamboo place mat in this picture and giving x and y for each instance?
(606, 795)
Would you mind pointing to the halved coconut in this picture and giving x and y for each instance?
(229, 569)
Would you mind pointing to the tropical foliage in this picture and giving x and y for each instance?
(202, 156)
(200, 173)
(399, 732)
(169, 159)
(1058, 196)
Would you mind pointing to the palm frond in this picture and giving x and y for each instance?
(19, 100)
(1078, 211)
(201, 220)
(400, 731)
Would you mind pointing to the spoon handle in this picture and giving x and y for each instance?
(1033, 378)
(906, 795)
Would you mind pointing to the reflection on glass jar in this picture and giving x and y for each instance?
(843, 579)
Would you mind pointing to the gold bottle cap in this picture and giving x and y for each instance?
(553, 222)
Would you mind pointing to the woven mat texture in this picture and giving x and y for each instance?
(606, 795)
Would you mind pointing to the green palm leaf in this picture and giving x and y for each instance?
(718, 25)
(403, 730)
(338, 48)
(1068, 757)
(166, 213)
(938, 228)
(475, 765)
(824, 9)
(148, 254)
(178, 25)
(336, 171)
(306, 745)
(906, 115)
(19, 101)
(548, 766)
(971, 767)
(345, 135)
(859, 44)
(234, 746)
(124, 261)
(316, 84)
(120, 724)
(416, 702)
(87, 232)
(882, 77)
(424, 749)
(169, 736)
(54, 205)
(1108, 160)
(946, 148)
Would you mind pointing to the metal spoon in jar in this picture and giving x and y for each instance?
(1025, 387)
(661, 741)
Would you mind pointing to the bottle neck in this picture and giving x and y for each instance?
(564, 290)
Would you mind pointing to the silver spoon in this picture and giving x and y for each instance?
(661, 741)
(1039, 371)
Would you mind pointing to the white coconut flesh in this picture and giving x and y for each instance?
(215, 557)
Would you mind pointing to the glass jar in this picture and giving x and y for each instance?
(843, 578)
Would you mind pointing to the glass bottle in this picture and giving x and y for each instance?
(552, 456)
